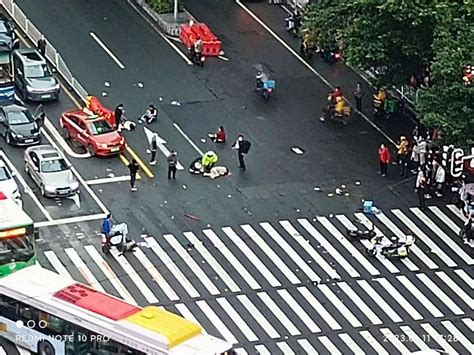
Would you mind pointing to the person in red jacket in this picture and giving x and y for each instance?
(384, 159)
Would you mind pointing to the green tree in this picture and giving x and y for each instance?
(163, 6)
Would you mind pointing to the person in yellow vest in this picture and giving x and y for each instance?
(208, 160)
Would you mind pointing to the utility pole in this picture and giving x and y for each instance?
(175, 9)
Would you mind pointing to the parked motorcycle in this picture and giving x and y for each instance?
(118, 239)
(361, 234)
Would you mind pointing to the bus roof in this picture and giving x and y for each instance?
(11, 215)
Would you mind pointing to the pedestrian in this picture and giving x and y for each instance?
(358, 94)
(440, 178)
(420, 188)
(422, 147)
(118, 113)
(150, 115)
(41, 44)
(133, 167)
(219, 137)
(153, 148)
(242, 146)
(402, 155)
(384, 159)
(415, 157)
(172, 162)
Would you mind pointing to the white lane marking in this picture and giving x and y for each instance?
(448, 240)
(155, 275)
(341, 307)
(354, 297)
(284, 320)
(241, 351)
(351, 344)
(83, 269)
(299, 311)
(258, 316)
(413, 337)
(2, 352)
(223, 58)
(368, 224)
(174, 270)
(356, 254)
(152, 24)
(69, 220)
(307, 65)
(465, 277)
(443, 217)
(414, 248)
(237, 319)
(319, 308)
(469, 323)
(216, 321)
(199, 246)
(326, 245)
(196, 148)
(254, 259)
(26, 187)
(455, 287)
(137, 280)
(420, 296)
(186, 313)
(231, 258)
(458, 336)
(108, 180)
(384, 306)
(440, 294)
(110, 274)
(369, 338)
(328, 344)
(307, 346)
(438, 338)
(285, 270)
(392, 338)
(397, 296)
(107, 50)
(422, 236)
(160, 142)
(54, 132)
(285, 348)
(456, 212)
(195, 268)
(262, 350)
(56, 263)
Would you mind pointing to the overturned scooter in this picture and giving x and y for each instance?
(391, 248)
(361, 234)
(118, 239)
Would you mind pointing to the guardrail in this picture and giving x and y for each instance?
(51, 54)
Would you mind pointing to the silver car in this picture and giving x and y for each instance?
(50, 171)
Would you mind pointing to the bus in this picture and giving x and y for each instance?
(17, 237)
(51, 314)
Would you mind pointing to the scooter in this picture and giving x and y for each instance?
(361, 234)
(196, 58)
(264, 86)
(396, 248)
(118, 239)
(331, 55)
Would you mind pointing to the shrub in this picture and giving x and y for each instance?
(163, 6)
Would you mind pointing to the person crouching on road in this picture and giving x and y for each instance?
(208, 160)
(219, 137)
(133, 167)
(150, 114)
(384, 159)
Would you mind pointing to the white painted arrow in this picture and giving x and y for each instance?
(76, 200)
(160, 142)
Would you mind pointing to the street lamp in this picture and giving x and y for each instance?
(175, 9)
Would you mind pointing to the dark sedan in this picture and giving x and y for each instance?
(18, 126)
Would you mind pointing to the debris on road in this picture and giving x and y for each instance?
(104, 94)
(107, 84)
(140, 85)
(317, 188)
(357, 182)
(297, 150)
(175, 103)
(190, 216)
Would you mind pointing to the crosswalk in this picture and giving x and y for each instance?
(298, 286)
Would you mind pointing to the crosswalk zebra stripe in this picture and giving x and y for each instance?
(307, 346)
(438, 338)
(83, 269)
(318, 307)
(254, 259)
(296, 307)
(420, 296)
(237, 319)
(285, 270)
(262, 350)
(440, 234)
(2, 352)
(399, 298)
(388, 336)
(341, 307)
(56, 263)
(232, 259)
(414, 248)
(456, 212)
(175, 271)
(469, 323)
(333, 350)
(328, 246)
(258, 316)
(359, 303)
(414, 338)
(186, 313)
(379, 301)
(354, 252)
(445, 219)
(193, 266)
(458, 336)
(465, 277)
(216, 321)
(422, 236)
(351, 344)
(455, 287)
(285, 348)
(198, 245)
(241, 351)
(303, 265)
(370, 339)
(305, 244)
(440, 294)
(368, 224)
(109, 274)
(155, 275)
(279, 314)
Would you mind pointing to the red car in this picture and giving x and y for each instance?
(94, 132)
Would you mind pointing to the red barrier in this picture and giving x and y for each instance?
(211, 44)
(94, 105)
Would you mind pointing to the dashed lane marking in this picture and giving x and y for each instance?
(107, 50)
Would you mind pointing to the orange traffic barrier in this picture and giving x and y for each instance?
(211, 44)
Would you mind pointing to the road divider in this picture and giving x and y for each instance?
(107, 50)
(160, 142)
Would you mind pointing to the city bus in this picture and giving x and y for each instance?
(17, 237)
(51, 314)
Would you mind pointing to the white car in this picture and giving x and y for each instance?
(8, 184)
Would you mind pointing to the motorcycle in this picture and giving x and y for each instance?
(118, 239)
(195, 57)
(391, 248)
(293, 24)
(264, 86)
(331, 54)
(361, 234)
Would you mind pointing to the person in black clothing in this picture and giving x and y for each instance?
(119, 110)
(242, 146)
(133, 167)
(41, 44)
(153, 148)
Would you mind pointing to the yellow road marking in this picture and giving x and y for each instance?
(126, 162)
(140, 162)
